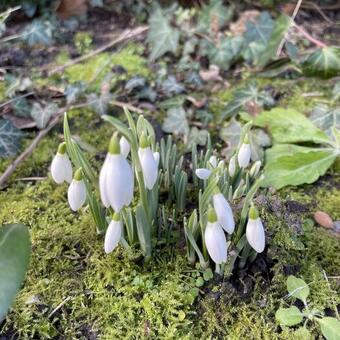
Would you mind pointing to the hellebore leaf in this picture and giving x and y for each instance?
(41, 115)
(176, 121)
(161, 36)
(290, 126)
(330, 328)
(288, 164)
(10, 138)
(214, 11)
(324, 62)
(15, 251)
(288, 316)
(325, 118)
(243, 96)
(282, 25)
(38, 32)
(298, 288)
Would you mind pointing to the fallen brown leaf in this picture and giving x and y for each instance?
(213, 74)
(69, 8)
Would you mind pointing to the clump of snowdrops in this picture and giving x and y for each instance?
(140, 194)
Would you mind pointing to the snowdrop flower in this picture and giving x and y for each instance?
(61, 168)
(255, 231)
(113, 233)
(203, 173)
(254, 170)
(214, 238)
(213, 161)
(116, 180)
(124, 146)
(148, 162)
(156, 156)
(244, 153)
(76, 193)
(232, 166)
(224, 213)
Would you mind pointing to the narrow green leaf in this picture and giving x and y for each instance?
(15, 251)
(288, 316)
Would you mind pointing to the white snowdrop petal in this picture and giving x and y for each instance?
(224, 213)
(117, 181)
(112, 236)
(76, 194)
(243, 156)
(213, 161)
(57, 171)
(156, 156)
(216, 242)
(102, 184)
(124, 146)
(203, 173)
(255, 234)
(149, 167)
(232, 167)
(130, 188)
(67, 169)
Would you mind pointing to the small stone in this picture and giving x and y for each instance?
(323, 219)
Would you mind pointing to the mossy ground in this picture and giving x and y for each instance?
(74, 291)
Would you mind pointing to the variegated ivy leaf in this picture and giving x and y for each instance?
(176, 121)
(38, 32)
(42, 114)
(324, 62)
(10, 138)
(325, 118)
(161, 36)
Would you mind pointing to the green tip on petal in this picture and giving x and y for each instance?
(114, 147)
(216, 190)
(253, 212)
(246, 139)
(144, 141)
(78, 175)
(62, 148)
(212, 217)
(116, 217)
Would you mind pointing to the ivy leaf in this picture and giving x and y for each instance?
(161, 36)
(231, 135)
(134, 83)
(282, 25)
(196, 136)
(41, 115)
(288, 316)
(171, 86)
(246, 95)
(38, 32)
(324, 62)
(289, 164)
(290, 126)
(10, 138)
(214, 11)
(15, 251)
(258, 141)
(225, 52)
(100, 104)
(330, 328)
(298, 288)
(176, 121)
(22, 108)
(325, 118)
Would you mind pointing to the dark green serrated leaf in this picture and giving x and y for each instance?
(42, 114)
(15, 251)
(161, 36)
(324, 63)
(330, 328)
(303, 165)
(290, 126)
(10, 138)
(282, 24)
(176, 121)
(288, 316)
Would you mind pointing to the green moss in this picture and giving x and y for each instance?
(83, 42)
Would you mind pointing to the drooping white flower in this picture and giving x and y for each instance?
(76, 193)
(255, 231)
(61, 167)
(244, 154)
(116, 180)
(203, 173)
(215, 240)
(124, 146)
(156, 157)
(224, 213)
(148, 162)
(213, 161)
(232, 166)
(113, 233)
(254, 170)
